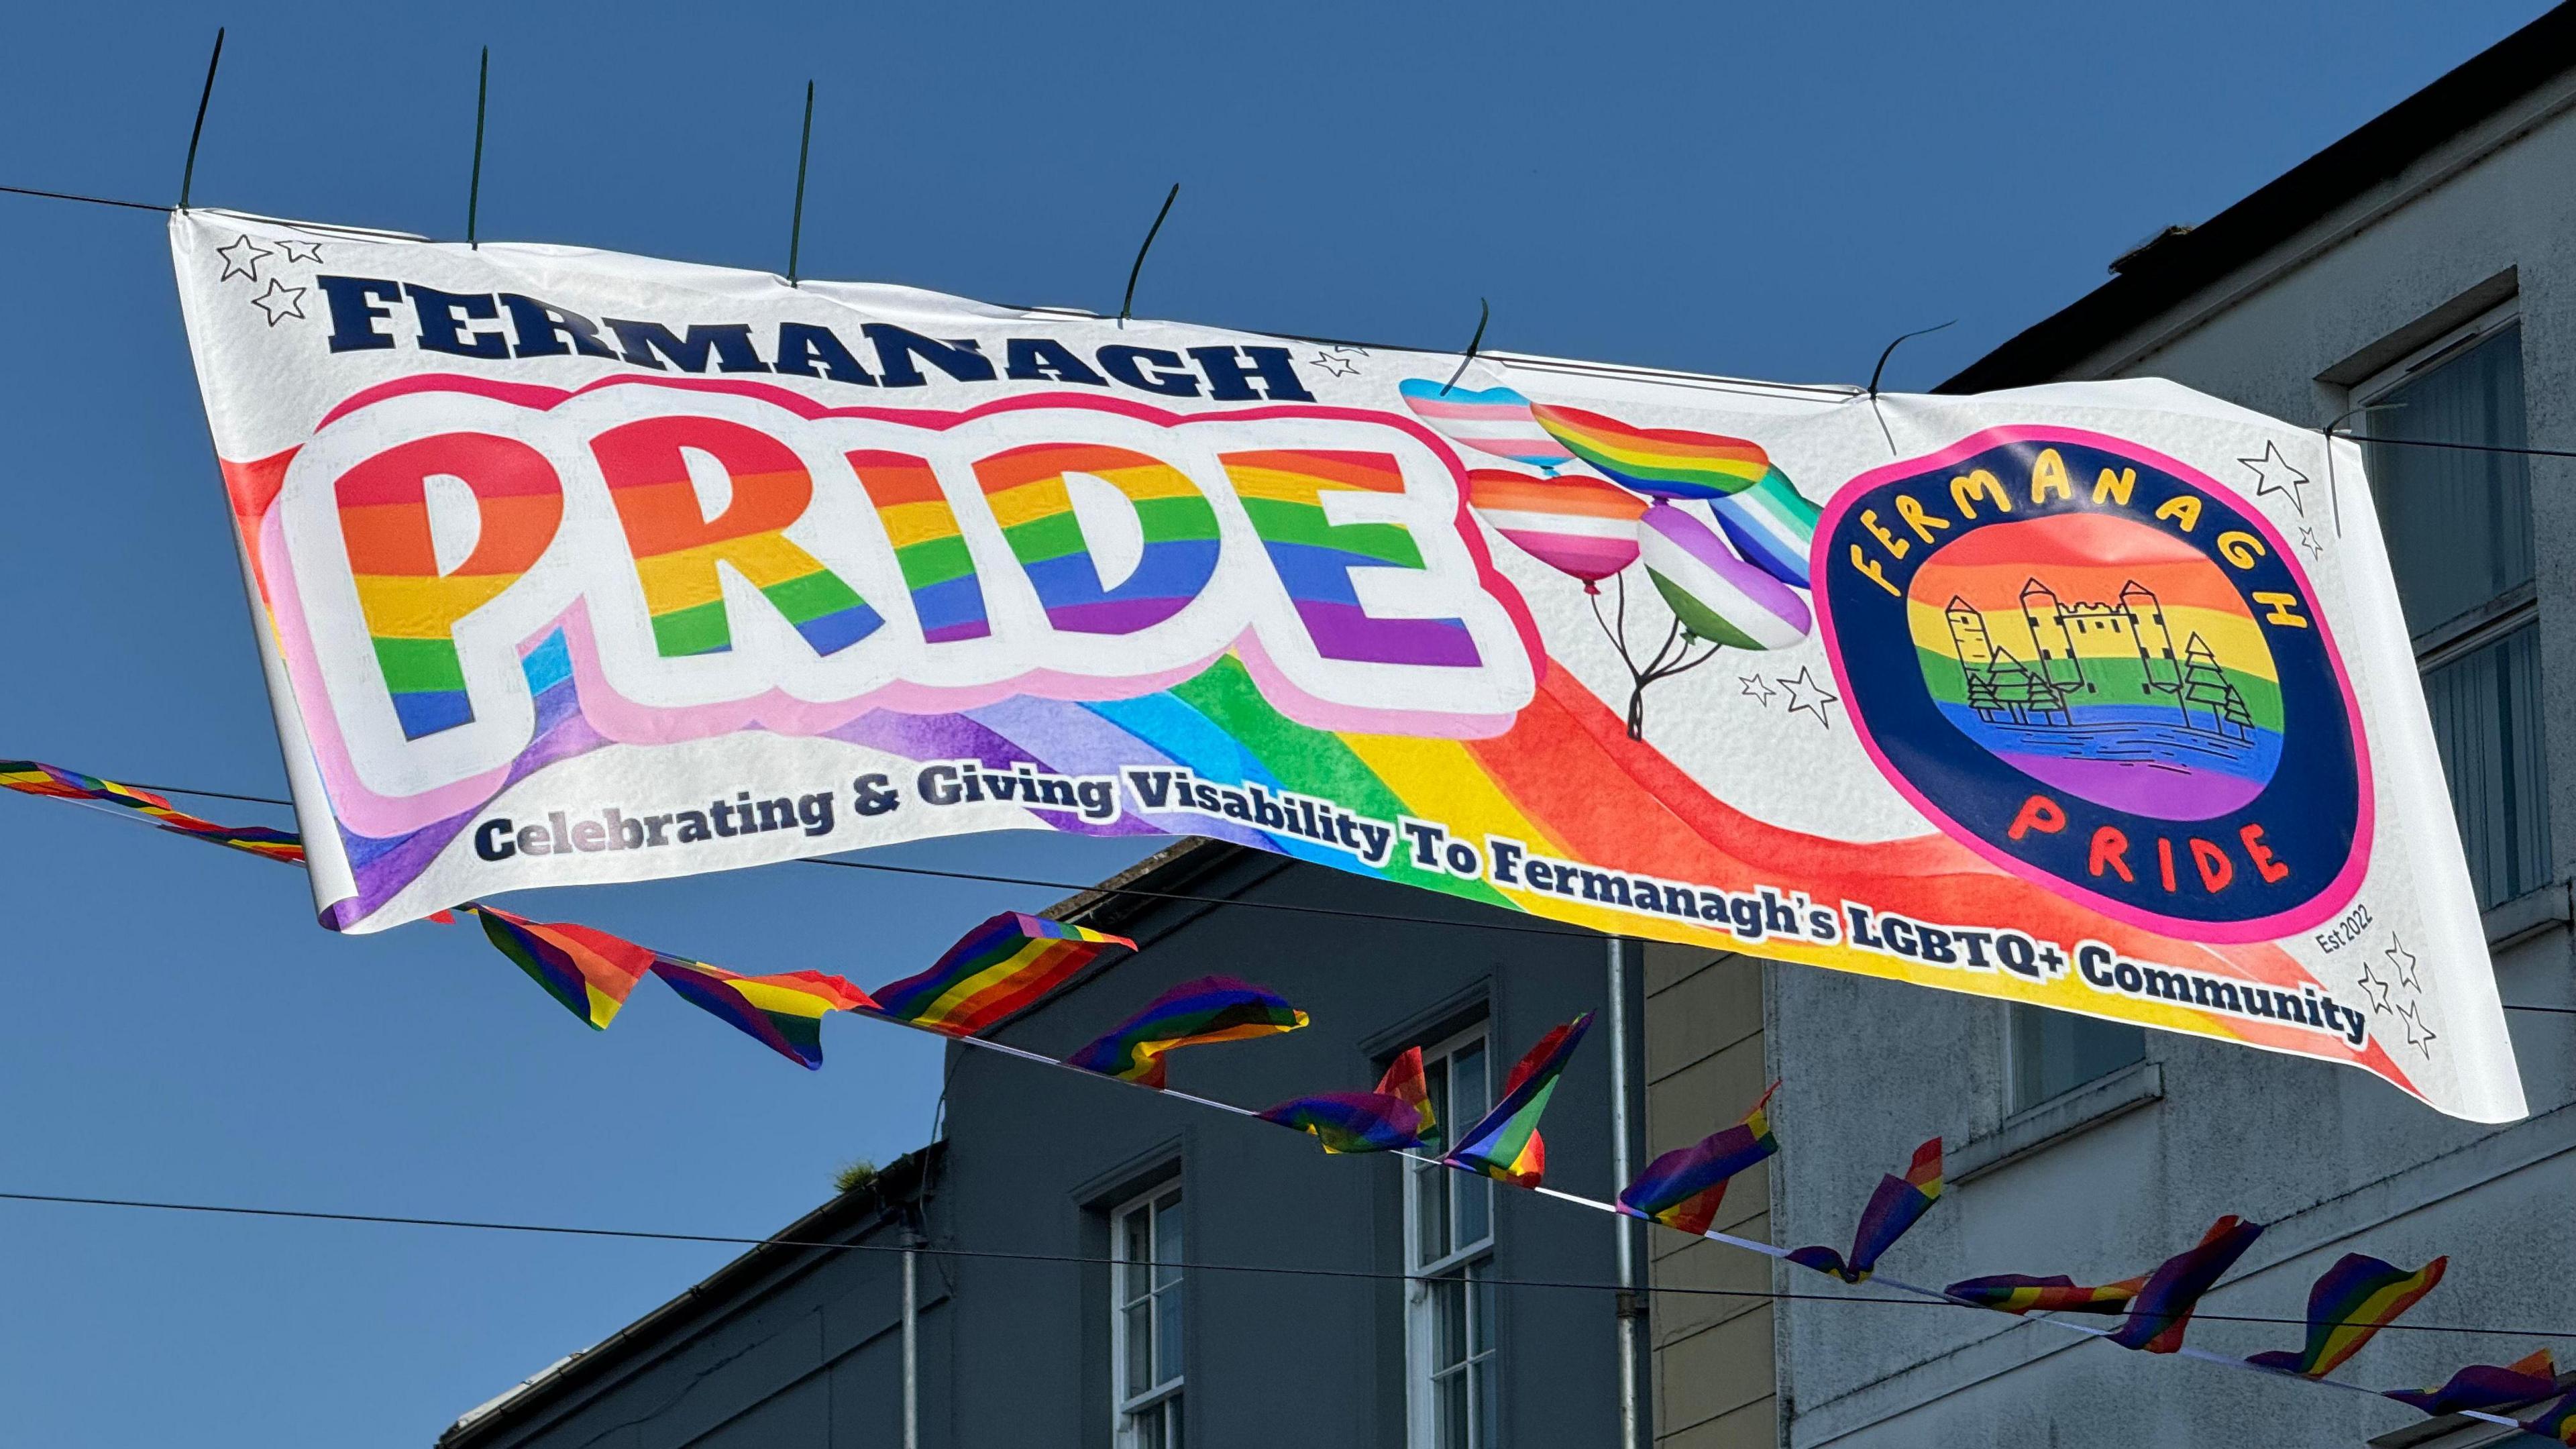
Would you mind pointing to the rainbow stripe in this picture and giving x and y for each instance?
(938, 569)
(1666, 462)
(1282, 490)
(993, 972)
(1210, 1009)
(1505, 1145)
(1717, 596)
(1899, 1203)
(2485, 1386)
(677, 547)
(783, 1012)
(35, 777)
(2349, 1303)
(588, 970)
(1685, 1187)
(2162, 1310)
(1496, 421)
(410, 605)
(1772, 525)
(1405, 1081)
(1347, 1122)
(2016, 1294)
(1576, 525)
(1034, 506)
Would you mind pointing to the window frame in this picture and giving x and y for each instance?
(2014, 1106)
(1129, 1410)
(2489, 624)
(2474, 628)
(1466, 1264)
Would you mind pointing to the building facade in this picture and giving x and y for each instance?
(1183, 1276)
(2413, 284)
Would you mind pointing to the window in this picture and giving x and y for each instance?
(2459, 536)
(2051, 1053)
(1449, 1237)
(1145, 1319)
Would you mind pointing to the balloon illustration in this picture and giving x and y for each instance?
(1772, 526)
(1717, 595)
(1736, 585)
(1495, 421)
(1664, 462)
(1575, 524)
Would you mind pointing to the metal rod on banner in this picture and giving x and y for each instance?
(474, 187)
(1484, 314)
(804, 149)
(1127, 304)
(1631, 1307)
(188, 175)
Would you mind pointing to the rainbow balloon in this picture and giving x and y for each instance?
(1715, 594)
(1666, 462)
(1575, 524)
(1772, 526)
(1496, 422)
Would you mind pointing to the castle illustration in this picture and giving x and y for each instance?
(2118, 654)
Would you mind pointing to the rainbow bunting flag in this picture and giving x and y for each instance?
(1351, 1121)
(783, 1012)
(588, 970)
(1394, 1118)
(1898, 1204)
(2162, 1309)
(2350, 1302)
(2485, 1386)
(1505, 1145)
(34, 777)
(994, 971)
(2017, 1294)
(1684, 1188)
(2556, 1420)
(1404, 1080)
(1210, 1009)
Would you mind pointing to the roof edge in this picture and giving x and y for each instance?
(2158, 278)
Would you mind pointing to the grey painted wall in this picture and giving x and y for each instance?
(2337, 1161)
(1016, 1353)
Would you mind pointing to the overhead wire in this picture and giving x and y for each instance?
(1085, 1260)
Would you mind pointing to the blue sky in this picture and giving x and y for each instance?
(1769, 191)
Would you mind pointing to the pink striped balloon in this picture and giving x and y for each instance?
(1573, 523)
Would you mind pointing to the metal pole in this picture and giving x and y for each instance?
(796, 228)
(474, 187)
(1631, 1306)
(911, 1353)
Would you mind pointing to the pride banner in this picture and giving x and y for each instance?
(581, 567)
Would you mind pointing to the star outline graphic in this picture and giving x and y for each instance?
(1802, 684)
(280, 302)
(2418, 1035)
(311, 251)
(242, 258)
(2403, 962)
(2290, 481)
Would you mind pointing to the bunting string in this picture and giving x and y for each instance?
(1013, 960)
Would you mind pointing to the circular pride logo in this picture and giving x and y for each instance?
(2104, 672)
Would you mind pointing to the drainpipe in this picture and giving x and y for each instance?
(911, 1352)
(1632, 1306)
